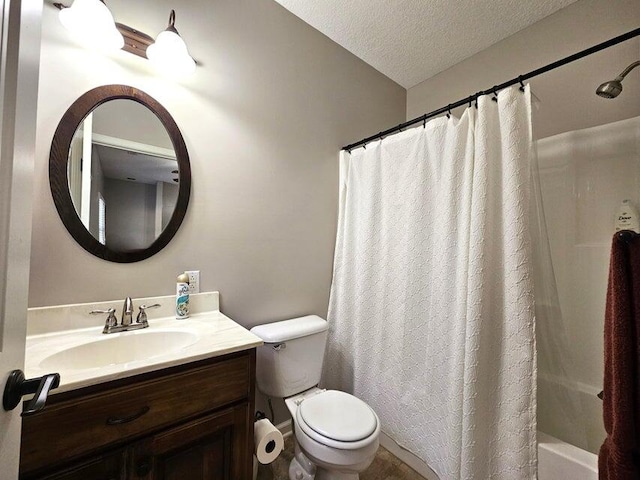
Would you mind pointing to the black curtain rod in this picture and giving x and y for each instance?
(495, 88)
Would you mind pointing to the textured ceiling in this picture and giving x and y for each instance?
(412, 40)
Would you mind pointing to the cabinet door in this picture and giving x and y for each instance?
(100, 467)
(214, 447)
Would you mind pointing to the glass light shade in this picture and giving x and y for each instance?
(92, 23)
(169, 54)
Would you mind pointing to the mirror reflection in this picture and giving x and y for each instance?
(123, 175)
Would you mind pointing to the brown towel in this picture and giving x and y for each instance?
(618, 459)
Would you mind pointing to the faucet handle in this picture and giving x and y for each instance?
(110, 310)
(142, 314)
(111, 320)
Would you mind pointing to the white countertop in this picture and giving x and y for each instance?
(208, 334)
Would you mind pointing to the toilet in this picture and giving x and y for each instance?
(336, 434)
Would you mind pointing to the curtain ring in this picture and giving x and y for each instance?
(449, 111)
(399, 127)
(380, 136)
(364, 145)
(495, 95)
(470, 100)
(521, 84)
(477, 95)
(424, 122)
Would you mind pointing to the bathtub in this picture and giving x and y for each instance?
(558, 460)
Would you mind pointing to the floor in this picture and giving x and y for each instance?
(384, 467)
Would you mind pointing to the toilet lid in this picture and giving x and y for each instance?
(338, 416)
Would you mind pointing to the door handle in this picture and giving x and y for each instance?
(17, 386)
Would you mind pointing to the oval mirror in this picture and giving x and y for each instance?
(119, 173)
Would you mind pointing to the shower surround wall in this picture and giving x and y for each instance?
(263, 118)
(584, 176)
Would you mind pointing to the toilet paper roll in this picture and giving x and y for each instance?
(268, 442)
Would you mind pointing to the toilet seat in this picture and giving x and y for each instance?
(339, 420)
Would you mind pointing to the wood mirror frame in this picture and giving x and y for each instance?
(59, 181)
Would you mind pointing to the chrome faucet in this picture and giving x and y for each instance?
(126, 323)
(127, 312)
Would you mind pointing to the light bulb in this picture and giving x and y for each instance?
(169, 52)
(92, 23)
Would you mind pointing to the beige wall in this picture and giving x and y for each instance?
(567, 99)
(133, 205)
(132, 121)
(263, 118)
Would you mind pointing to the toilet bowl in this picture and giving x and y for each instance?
(336, 434)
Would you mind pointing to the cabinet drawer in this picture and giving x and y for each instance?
(111, 466)
(74, 427)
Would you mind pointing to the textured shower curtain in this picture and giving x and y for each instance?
(432, 309)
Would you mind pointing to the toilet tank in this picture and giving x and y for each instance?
(290, 361)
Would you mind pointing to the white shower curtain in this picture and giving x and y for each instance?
(432, 309)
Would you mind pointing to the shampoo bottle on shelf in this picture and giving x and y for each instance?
(182, 296)
(627, 217)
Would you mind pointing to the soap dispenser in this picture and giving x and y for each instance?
(182, 296)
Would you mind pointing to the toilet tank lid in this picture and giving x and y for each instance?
(284, 330)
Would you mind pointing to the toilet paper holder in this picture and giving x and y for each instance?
(268, 441)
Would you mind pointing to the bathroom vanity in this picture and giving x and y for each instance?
(181, 414)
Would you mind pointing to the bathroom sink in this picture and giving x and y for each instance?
(119, 349)
(84, 356)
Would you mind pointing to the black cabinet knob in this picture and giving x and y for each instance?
(144, 467)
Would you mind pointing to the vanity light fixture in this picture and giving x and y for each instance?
(169, 52)
(91, 22)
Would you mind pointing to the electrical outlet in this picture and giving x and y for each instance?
(194, 281)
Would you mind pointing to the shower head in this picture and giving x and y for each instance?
(612, 88)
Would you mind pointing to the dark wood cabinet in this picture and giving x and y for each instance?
(101, 467)
(193, 421)
(207, 448)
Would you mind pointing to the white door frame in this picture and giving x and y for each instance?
(20, 34)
